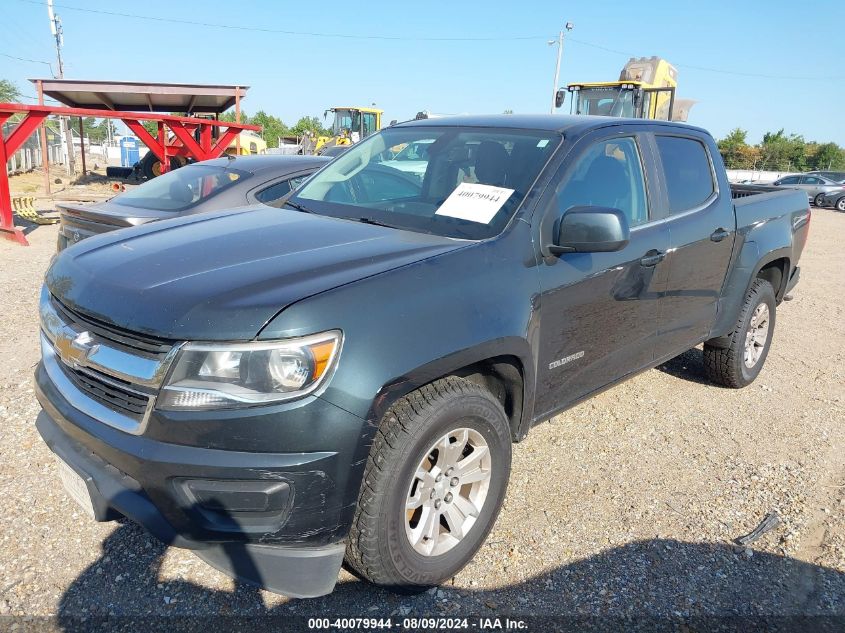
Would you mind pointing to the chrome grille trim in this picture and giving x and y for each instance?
(95, 349)
(84, 402)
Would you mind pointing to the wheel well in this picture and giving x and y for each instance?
(503, 377)
(775, 273)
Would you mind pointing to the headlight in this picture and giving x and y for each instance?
(224, 376)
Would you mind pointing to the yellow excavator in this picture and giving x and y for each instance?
(351, 124)
(645, 90)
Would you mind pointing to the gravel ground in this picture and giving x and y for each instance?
(625, 506)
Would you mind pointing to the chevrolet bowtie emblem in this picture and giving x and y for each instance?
(73, 347)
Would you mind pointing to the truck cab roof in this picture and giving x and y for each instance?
(569, 125)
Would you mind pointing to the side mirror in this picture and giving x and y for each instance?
(590, 230)
(560, 95)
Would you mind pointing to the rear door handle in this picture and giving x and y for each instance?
(652, 258)
(719, 234)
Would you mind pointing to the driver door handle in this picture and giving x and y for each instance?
(652, 258)
(719, 234)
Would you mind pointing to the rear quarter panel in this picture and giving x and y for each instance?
(770, 226)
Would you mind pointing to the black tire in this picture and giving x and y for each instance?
(151, 165)
(840, 204)
(818, 200)
(378, 548)
(726, 364)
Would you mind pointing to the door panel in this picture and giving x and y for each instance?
(598, 311)
(598, 317)
(700, 243)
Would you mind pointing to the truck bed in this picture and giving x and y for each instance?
(763, 210)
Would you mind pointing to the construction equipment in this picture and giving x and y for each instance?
(24, 207)
(245, 143)
(351, 124)
(183, 131)
(645, 90)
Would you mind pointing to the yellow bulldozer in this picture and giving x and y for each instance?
(645, 90)
(350, 125)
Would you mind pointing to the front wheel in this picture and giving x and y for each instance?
(738, 364)
(840, 204)
(433, 485)
(818, 200)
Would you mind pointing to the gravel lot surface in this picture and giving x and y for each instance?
(626, 505)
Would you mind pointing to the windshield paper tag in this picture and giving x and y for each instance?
(474, 202)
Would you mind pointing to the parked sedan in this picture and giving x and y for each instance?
(835, 199)
(816, 186)
(211, 185)
(835, 176)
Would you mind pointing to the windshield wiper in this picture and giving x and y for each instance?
(374, 222)
(298, 206)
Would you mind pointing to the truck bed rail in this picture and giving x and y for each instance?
(743, 191)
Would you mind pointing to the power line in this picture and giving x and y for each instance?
(707, 69)
(353, 36)
(24, 59)
(350, 36)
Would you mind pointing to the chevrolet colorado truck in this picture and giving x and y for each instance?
(341, 377)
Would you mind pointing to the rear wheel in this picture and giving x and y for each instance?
(818, 200)
(433, 485)
(738, 364)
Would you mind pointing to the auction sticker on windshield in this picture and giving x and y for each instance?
(474, 202)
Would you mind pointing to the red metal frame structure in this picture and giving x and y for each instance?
(184, 142)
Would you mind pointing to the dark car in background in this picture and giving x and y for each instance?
(334, 150)
(222, 183)
(835, 199)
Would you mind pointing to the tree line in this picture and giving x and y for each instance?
(779, 152)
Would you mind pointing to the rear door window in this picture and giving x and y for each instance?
(689, 176)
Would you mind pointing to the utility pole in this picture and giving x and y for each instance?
(58, 34)
(559, 41)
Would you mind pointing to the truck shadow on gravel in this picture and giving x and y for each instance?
(653, 583)
(688, 366)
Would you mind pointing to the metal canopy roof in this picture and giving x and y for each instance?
(140, 97)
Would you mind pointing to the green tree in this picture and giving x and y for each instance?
(309, 124)
(782, 152)
(826, 156)
(732, 149)
(271, 127)
(9, 92)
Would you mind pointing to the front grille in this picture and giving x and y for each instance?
(148, 345)
(109, 391)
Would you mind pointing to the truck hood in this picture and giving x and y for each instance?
(224, 275)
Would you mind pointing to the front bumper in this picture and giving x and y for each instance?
(273, 519)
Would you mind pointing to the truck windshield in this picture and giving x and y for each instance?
(181, 188)
(465, 182)
(605, 101)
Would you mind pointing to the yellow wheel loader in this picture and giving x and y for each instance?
(645, 90)
(351, 124)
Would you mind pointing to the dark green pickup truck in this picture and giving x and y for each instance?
(343, 377)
